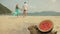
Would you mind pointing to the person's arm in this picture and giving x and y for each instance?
(32, 29)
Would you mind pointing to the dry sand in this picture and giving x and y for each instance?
(19, 25)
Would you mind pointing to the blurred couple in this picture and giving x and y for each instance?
(24, 9)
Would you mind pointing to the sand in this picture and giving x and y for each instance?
(19, 25)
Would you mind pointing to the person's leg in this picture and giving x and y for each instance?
(17, 15)
(24, 13)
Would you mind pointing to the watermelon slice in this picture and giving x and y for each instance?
(45, 25)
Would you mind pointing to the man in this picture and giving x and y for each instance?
(25, 9)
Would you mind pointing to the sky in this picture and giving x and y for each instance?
(33, 5)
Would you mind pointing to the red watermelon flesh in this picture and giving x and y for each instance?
(45, 25)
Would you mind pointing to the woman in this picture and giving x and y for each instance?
(16, 11)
